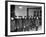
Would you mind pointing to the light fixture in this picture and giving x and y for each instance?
(20, 7)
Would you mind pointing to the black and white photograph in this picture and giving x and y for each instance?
(25, 18)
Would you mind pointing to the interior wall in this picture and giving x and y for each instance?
(23, 10)
(20, 11)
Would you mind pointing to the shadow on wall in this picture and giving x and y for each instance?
(13, 36)
(10, 36)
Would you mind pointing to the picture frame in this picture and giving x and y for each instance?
(7, 18)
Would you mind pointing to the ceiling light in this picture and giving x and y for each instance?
(20, 7)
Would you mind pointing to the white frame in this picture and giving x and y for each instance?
(29, 4)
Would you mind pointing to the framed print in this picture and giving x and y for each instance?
(24, 18)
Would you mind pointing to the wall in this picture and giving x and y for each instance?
(20, 11)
